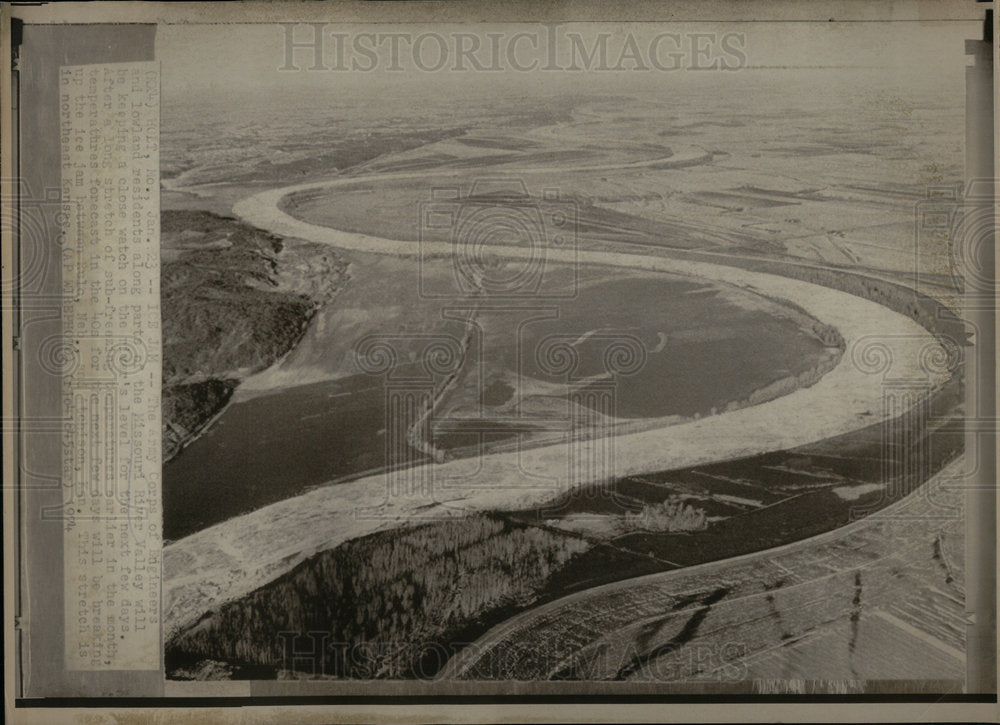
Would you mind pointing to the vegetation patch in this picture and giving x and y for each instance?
(381, 605)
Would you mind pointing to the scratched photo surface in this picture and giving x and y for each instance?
(575, 352)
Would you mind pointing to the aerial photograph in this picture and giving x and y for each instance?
(580, 352)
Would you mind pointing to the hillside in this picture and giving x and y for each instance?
(234, 299)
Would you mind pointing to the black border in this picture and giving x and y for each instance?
(281, 700)
(491, 699)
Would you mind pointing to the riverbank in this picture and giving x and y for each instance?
(234, 300)
(230, 559)
(720, 347)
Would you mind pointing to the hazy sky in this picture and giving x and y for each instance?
(240, 58)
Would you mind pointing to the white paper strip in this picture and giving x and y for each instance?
(109, 354)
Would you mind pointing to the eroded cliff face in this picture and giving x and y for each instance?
(234, 299)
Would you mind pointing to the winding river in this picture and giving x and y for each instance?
(232, 558)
